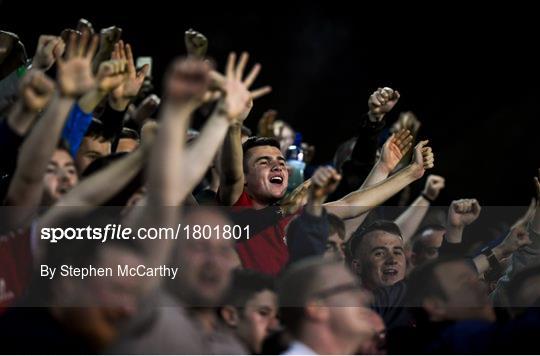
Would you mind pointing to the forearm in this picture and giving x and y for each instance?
(36, 151)
(39, 146)
(351, 225)
(454, 234)
(362, 200)
(167, 158)
(90, 101)
(232, 175)
(314, 206)
(98, 188)
(199, 156)
(366, 145)
(377, 174)
(410, 219)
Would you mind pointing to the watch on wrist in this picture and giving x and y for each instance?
(494, 264)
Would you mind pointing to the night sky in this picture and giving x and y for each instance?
(470, 75)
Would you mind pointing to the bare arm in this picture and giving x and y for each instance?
(26, 188)
(36, 91)
(393, 150)
(231, 170)
(166, 185)
(411, 218)
(74, 78)
(231, 160)
(362, 200)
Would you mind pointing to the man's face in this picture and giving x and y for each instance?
(335, 247)
(127, 145)
(382, 259)
(91, 149)
(350, 314)
(466, 295)
(258, 319)
(60, 176)
(431, 241)
(103, 303)
(206, 264)
(266, 176)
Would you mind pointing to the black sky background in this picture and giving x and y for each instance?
(470, 75)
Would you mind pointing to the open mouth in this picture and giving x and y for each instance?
(390, 272)
(278, 180)
(63, 190)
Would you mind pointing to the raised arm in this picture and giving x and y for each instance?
(110, 75)
(410, 219)
(196, 43)
(231, 169)
(35, 93)
(128, 89)
(235, 101)
(527, 248)
(185, 86)
(461, 213)
(74, 78)
(357, 168)
(393, 150)
(362, 200)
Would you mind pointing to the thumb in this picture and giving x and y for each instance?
(143, 72)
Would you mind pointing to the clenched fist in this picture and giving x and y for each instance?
(381, 102)
(434, 185)
(463, 212)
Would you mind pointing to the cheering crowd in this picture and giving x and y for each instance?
(324, 268)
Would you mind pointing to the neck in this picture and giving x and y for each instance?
(320, 339)
(206, 317)
(258, 204)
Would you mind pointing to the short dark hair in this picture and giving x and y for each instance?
(417, 245)
(255, 141)
(336, 226)
(422, 283)
(64, 145)
(97, 130)
(245, 284)
(378, 225)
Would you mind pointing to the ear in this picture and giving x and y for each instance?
(317, 311)
(356, 266)
(436, 308)
(229, 314)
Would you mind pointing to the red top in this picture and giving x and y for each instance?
(15, 266)
(265, 251)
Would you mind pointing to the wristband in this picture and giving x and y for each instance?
(494, 264)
